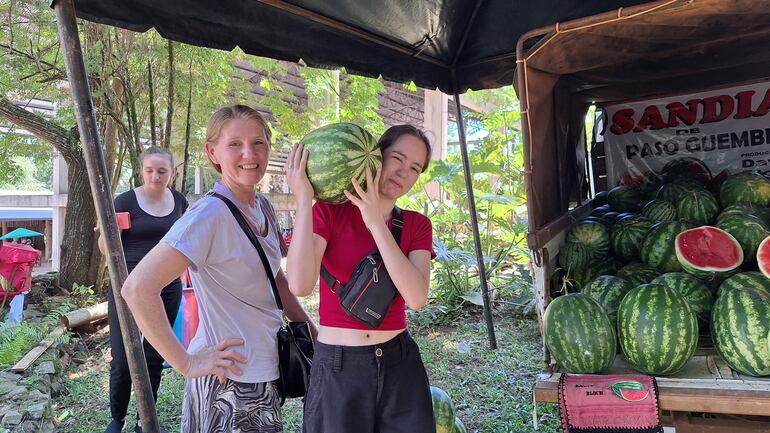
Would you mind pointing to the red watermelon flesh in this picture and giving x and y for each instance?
(630, 395)
(709, 248)
(763, 258)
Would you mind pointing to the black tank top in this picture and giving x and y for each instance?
(146, 230)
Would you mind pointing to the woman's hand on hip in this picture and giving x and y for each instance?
(296, 173)
(368, 201)
(215, 360)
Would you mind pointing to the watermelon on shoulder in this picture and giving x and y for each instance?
(339, 152)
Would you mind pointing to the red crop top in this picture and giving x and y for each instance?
(348, 241)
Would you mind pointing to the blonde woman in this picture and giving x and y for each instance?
(232, 361)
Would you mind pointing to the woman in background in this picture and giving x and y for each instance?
(153, 208)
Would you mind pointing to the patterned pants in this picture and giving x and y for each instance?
(232, 407)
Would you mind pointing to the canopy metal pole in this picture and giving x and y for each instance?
(105, 212)
(475, 224)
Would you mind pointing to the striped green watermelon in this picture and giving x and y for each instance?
(673, 191)
(579, 334)
(576, 280)
(658, 247)
(592, 235)
(600, 220)
(659, 211)
(608, 290)
(745, 187)
(697, 206)
(459, 426)
(339, 152)
(694, 291)
(708, 252)
(739, 329)
(443, 410)
(745, 280)
(574, 256)
(687, 167)
(624, 198)
(658, 330)
(748, 230)
(627, 235)
(637, 273)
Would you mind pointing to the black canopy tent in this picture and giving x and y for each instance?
(453, 45)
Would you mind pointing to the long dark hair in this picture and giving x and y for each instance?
(395, 132)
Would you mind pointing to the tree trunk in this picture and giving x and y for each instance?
(151, 87)
(170, 101)
(187, 134)
(79, 257)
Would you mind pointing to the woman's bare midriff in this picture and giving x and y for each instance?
(354, 337)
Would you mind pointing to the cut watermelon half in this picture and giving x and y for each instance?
(708, 252)
(763, 257)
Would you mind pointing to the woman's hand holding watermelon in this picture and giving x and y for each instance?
(296, 173)
(368, 202)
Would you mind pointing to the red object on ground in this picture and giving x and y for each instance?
(16, 263)
(606, 403)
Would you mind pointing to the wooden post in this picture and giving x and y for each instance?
(47, 240)
(475, 225)
(105, 212)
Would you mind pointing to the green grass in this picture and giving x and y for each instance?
(491, 390)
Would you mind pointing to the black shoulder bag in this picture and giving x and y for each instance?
(369, 293)
(295, 342)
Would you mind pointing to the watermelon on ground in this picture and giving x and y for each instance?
(339, 152)
(579, 334)
(739, 329)
(708, 252)
(657, 329)
(745, 187)
(443, 410)
(459, 426)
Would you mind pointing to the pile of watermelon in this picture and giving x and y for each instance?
(668, 256)
(444, 412)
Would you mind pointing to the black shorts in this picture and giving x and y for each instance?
(381, 388)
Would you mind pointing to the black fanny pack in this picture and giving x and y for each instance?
(369, 293)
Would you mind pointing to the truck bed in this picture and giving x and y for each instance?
(705, 384)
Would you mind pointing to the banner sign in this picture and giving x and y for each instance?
(727, 129)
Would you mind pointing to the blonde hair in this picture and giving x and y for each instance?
(157, 150)
(227, 113)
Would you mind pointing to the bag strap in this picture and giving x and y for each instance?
(395, 230)
(254, 241)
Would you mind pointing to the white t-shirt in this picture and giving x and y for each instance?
(234, 296)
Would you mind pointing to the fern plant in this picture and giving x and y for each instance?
(16, 339)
